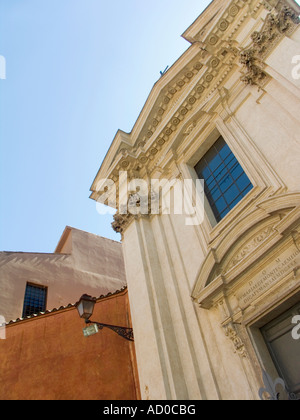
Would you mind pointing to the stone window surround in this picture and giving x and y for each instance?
(265, 183)
(247, 338)
(225, 181)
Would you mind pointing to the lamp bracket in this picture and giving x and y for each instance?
(124, 332)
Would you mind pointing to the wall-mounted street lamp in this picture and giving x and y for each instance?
(85, 308)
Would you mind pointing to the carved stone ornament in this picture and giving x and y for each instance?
(275, 27)
(117, 223)
(231, 333)
(285, 18)
(189, 129)
(250, 247)
(120, 222)
(137, 206)
(255, 75)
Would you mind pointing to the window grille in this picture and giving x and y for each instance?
(225, 182)
(34, 300)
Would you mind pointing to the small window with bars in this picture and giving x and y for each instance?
(225, 182)
(34, 300)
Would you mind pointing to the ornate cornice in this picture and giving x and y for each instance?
(217, 54)
(147, 151)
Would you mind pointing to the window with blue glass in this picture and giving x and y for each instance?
(225, 182)
(34, 300)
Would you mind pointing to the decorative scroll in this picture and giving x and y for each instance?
(255, 75)
(120, 222)
(231, 333)
(250, 247)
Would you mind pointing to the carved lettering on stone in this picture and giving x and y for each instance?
(283, 265)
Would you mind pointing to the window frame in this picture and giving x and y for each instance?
(257, 341)
(37, 286)
(278, 322)
(264, 179)
(228, 173)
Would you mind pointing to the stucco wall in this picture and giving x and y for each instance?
(94, 265)
(49, 358)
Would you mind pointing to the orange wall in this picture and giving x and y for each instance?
(49, 358)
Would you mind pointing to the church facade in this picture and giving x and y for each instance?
(214, 285)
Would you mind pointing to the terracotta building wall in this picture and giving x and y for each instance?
(48, 357)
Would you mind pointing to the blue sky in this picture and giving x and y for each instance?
(76, 72)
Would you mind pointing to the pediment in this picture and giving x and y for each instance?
(203, 24)
(189, 86)
(175, 95)
(247, 244)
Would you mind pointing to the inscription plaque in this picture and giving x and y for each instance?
(269, 276)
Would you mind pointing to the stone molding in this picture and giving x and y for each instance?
(225, 263)
(239, 346)
(250, 246)
(241, 278)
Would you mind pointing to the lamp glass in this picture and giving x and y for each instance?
(85, 306)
